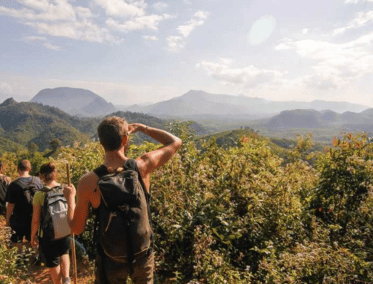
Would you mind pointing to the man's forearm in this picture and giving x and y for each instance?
(70, 210)
(160, 135)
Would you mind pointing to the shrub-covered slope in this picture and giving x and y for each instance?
(243, 215)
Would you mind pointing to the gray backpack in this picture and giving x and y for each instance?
(54, 214)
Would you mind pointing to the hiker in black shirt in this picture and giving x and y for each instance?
(19, 208)
(114, 137)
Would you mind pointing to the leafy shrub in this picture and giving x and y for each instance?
(11, 268)
(315, 261)
(342, 200)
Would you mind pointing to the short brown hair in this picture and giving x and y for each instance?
(111, 131)
(24, 166)
(49, 171)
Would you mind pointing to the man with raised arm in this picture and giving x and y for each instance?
(138, 264)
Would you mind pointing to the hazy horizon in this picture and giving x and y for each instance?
(150, 103)
(139, 51)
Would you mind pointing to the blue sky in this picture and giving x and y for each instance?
(139, 51)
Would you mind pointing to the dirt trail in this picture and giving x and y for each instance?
(38, 274)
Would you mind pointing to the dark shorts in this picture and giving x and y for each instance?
(53, 250)
(108, 272)
(19, 233)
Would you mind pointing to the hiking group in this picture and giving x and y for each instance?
(118, 192)
(35, 210)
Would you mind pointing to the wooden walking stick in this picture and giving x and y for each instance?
(73, 260)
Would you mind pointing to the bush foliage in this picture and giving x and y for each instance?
(248, 214)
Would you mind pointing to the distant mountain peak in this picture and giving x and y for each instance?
(75, 101)
(8, 102)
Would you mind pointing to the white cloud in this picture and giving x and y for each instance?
(120, 8)
(34, 38)
(45, 41)
(160, 6)
(85, 31)
(305, 31)
(36, 4)
(334, 64)
(61, 11)
(197, 20)
(247, 77)
(60, 18)
(362, 19)
(201, 15)
(137, 3)
(226, 61)
(140, 23)
(150, 38)
(321, 82)
(83, 12)
(51, 46)
(5, 89)
(175, 43)
(63, 18)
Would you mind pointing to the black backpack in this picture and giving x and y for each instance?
(4, 183)
(29, 191)
(54, 214)
(124, 226)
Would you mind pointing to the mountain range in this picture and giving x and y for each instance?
(26, 123)
(192, 105)
(203, 105)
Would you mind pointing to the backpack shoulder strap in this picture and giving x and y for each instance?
(131, 164)
(44, 189)
(101, 171)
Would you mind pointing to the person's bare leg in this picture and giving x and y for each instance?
(65, 266)
(55, 273)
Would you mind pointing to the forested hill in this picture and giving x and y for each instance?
(28, 124)
(350, 121)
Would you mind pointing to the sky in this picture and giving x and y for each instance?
(142, 51)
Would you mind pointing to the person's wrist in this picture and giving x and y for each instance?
(145, 128)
